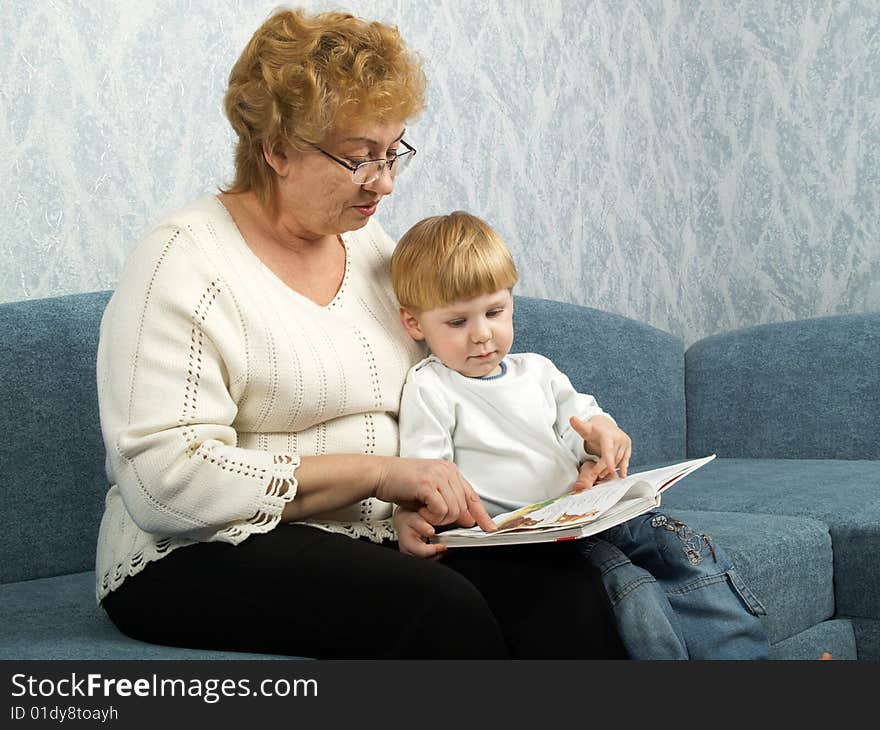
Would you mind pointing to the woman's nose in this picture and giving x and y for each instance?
(383, 184)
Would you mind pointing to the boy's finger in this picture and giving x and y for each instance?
(624, 465)
(428, 550)
(583, 428)
(439, 551)
(608, 461)
(589, 478)
(582, 483)
(422, 527)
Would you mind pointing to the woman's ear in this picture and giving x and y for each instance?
(411, 324)
(277, 159)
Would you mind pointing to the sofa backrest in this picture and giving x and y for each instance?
(808, 389)
(635, 372)
(52, 479)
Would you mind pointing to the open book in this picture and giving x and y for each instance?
(577, 514)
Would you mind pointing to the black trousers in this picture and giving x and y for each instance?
(300, 591)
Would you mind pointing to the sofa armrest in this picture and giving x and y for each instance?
(52, 478)
(802, 389)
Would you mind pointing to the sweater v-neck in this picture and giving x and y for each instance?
(280, 282)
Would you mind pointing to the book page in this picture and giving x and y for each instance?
(574, 508)
(666, 476)
(581, 508)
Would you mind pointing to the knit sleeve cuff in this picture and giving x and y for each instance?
(279, 488)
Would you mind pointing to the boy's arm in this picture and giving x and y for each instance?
(569, 402)
(592, 435)
(426, 424)
(426, 421)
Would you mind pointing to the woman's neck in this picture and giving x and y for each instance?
(276, 230)
(311, 266)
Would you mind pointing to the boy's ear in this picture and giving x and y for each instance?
(411, 324)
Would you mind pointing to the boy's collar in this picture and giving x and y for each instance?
(433, 358)
(499, 375)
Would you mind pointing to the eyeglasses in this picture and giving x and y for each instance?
(371, 170)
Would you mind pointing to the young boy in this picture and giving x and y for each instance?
(520, 433)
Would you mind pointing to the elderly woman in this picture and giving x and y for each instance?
(250, 368)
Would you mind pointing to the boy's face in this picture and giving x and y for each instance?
(471, 336)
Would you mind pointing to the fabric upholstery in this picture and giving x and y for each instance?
(834, 636)
(867, 631)
(841, 494)
(796, 390)
(760, 545)
(57, 618)
(52, 481)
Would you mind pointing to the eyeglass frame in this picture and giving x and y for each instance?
(389, 163)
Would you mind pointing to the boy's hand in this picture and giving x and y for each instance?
(604, 439)
(413, 531)
(587, 478)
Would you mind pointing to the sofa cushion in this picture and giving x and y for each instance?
(844, 495)
(57, 618)
(635, 372)
(835, 636)
(867, 631)
(763, 545)
(802, 390)
(52, 480)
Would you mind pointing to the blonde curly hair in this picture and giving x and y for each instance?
(301, 76)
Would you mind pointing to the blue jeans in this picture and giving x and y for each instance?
(674, 593)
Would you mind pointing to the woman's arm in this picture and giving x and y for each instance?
(332, 481)
(432, 487)
(171, 344)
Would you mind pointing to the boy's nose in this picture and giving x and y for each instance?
(480, 334)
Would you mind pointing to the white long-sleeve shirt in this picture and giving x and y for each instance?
(509, 435)
(214, 377)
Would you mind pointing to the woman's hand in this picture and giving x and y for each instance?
(603, 438)
(413, 532)
(434, 489)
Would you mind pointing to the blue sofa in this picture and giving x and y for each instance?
(792, 410)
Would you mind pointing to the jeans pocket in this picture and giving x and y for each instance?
(604, 556)
(749, 599)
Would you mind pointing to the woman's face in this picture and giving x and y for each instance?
(318, 193)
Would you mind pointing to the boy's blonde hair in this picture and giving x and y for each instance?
(446, 258)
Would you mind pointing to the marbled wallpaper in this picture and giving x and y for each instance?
(697, 165)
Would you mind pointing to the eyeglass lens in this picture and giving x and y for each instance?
(369, 171)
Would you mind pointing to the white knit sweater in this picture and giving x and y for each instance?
(214, 377)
